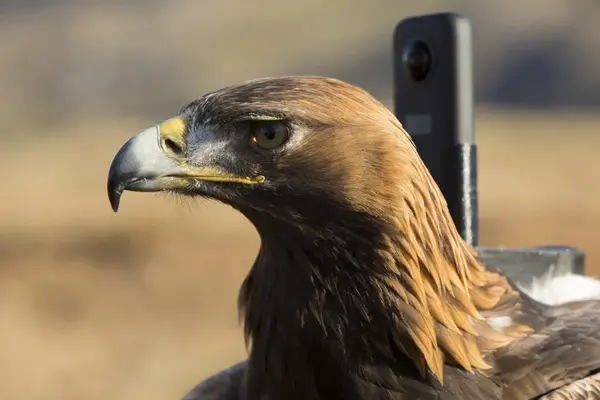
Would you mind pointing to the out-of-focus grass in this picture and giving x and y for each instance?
(142, 304)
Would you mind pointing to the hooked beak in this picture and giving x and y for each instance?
(155, 160)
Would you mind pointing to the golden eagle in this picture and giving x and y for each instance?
(362, 288)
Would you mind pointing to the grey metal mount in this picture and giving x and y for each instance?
(521, 265)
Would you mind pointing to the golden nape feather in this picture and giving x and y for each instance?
(362, 288)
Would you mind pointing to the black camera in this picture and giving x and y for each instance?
(417, 59)
(433, 99)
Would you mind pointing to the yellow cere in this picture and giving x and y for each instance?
(172, 126)
(172, 129)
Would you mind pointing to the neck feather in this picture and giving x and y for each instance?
(372, 290)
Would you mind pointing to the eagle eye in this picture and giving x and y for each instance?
(268, 135)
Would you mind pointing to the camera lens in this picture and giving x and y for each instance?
(417, 59)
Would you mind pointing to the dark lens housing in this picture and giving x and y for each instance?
(417, 59)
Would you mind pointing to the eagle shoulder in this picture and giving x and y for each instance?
(224, 385)
(583, 389)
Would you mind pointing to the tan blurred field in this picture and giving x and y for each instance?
(142, 304)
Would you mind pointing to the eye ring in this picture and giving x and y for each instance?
(269, 135)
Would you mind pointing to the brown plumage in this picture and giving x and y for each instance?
(363, 288)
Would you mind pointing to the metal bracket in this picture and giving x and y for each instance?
(523, 264)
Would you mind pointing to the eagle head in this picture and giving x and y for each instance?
(301, 150)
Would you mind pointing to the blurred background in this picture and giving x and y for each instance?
(142, 304)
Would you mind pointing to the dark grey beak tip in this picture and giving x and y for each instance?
(118, 175)
(115, 191)
(114, 196)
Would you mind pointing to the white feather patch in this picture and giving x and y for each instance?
(555, 289)
(500, 323)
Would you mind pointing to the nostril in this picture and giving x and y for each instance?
(173, 147)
